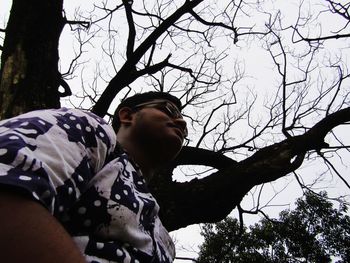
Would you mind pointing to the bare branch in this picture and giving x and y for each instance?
(334, 169)
(317, 39)
(211, 24)
(84, 24)
(132, 31)
(115, 85)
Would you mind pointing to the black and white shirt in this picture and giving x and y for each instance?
(69, 161)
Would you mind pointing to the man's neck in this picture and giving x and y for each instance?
(136, 153)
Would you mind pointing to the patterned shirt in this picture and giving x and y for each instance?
(69, 161)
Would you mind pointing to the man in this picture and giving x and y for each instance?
(72, 189)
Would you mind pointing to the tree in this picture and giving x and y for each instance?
(313, 232)
(178, 48)
(29, 59)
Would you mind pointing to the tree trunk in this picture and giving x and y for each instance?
(29, 61)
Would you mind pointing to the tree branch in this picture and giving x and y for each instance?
(84, 24)
(212, 198)
(123, 77)
(154, 68)
(132, 31)
(317, 39)
(192, 155)
(204, 22)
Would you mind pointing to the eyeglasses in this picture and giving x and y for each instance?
(163, 105)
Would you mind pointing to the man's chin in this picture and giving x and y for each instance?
(171, 149)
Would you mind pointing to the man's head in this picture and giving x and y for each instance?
(151, 123)
(135, 102)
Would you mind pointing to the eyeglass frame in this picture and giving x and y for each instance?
(168, 108)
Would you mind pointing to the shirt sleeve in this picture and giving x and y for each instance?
(53, 154)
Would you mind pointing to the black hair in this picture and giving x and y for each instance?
(139, 98)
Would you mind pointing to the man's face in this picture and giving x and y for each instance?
(160, 126)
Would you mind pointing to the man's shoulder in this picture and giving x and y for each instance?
(72, 112)
(71, 121)
(68, 114)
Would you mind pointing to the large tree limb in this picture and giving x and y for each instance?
(212, 198)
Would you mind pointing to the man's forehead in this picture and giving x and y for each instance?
(157, 101)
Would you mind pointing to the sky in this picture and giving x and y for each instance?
(258, 66)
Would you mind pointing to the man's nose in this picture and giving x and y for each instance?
(181, 123)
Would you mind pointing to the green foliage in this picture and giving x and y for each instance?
(313, 232)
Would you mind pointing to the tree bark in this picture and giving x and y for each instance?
(29, 61)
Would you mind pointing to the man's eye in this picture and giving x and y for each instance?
(163, 109)
(171, 112)
(168, 112)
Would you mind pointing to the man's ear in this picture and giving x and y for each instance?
(126, 116)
